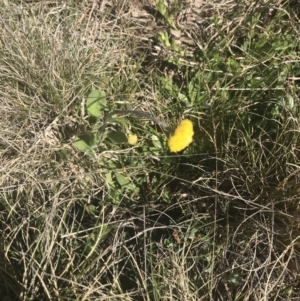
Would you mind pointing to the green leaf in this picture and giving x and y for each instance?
(290, 103)
(168, 83)
(122, 180)
(182, 97)
(119, 120)
(95, 103)
(161, 7)
(84, 142)
(164, 38)
(112, 164)
(117, 137)
(156, 142)
(108, 178)
(81, 145)
(195, 89)
(90, 208)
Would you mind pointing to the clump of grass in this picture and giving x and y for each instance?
(218, 221)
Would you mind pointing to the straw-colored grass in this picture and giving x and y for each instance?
(217, 221)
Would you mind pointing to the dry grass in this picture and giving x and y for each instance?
(217, 222)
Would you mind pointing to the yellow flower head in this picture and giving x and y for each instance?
(182, 137)
(132, 139)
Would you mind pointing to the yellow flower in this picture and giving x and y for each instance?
(132, 139)
(182, 137)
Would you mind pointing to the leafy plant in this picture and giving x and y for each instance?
(164, 12)
(96, 103)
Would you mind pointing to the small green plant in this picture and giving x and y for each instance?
(96, 104)
(176, 52)
(170, 44)
(164, 12)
